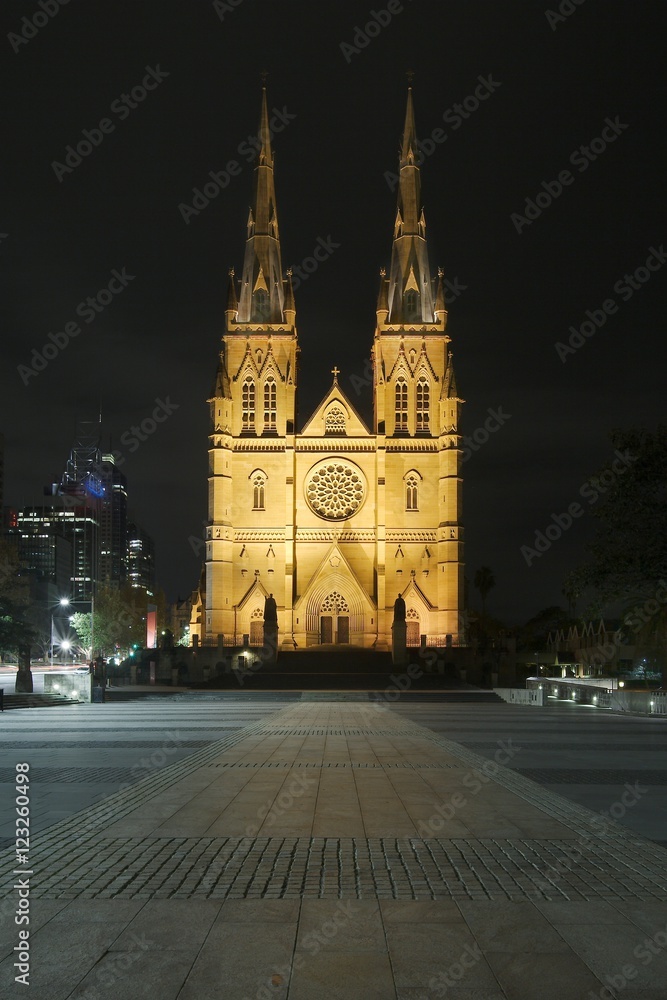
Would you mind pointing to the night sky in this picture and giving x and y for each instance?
(553, 87)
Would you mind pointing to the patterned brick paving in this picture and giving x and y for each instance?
(74, 858)
(322, 868)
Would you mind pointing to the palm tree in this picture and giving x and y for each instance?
(484, 581)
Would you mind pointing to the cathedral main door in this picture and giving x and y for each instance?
(334, 619)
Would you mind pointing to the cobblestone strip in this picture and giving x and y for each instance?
(57, 745)
(528, 744)
(322, 868)
(577, 818)
(83, 827)
(337, 764)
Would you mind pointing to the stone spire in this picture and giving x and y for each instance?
(410, 292)
(449, 387)
(262, 294)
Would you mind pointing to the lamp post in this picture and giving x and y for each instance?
(63, 603)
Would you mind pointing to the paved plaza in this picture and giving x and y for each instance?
(202, 847)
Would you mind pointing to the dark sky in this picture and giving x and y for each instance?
(554, 87)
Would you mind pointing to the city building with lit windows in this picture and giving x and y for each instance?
(140, 559)
(334, 518)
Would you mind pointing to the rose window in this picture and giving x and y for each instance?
(335, 490)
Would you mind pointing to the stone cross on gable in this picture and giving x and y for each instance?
(335, 371)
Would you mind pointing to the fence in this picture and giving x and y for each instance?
(592, 692)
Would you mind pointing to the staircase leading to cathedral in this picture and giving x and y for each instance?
(352, 668)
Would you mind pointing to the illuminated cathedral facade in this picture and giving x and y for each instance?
(334, 518)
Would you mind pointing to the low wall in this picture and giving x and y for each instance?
(77, 685)
(522, 696)
(646, 702)
(583, 693)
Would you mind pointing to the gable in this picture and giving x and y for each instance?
(332, 406)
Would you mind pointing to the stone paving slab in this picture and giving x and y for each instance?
(385, 861)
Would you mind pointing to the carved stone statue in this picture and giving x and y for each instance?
(270, 611)
(399, 609)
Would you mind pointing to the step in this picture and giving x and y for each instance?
(27, 700)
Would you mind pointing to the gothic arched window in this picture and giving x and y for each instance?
(270, 404)
(401, 404)
(258, 484)
(261, 305)
(412, 492)
(248, 403)
(423, 403)
(334, 422)
(412, 305)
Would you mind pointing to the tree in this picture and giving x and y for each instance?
(627, 560)
(571, 593)
(534, 634)
(484, 582)
(15, 632)
(117, 623)
(628, 556)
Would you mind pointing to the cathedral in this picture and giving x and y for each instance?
(334, 519)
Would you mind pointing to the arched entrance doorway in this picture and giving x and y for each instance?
(257, 627)
(334, 619)
(412, 634)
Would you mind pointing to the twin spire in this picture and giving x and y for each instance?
(407, 296)
(263, 288)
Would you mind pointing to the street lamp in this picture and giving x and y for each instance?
(63, 603)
